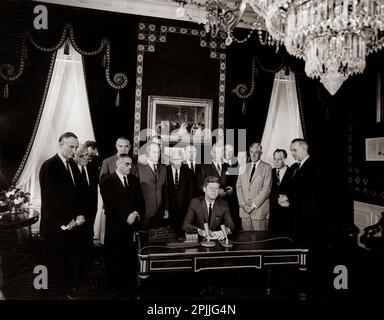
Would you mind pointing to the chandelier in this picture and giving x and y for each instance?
(215, 15)
(333, 37)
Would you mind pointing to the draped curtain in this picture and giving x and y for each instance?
(65, 109)
(283, 122)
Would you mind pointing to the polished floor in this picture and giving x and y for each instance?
(365, 275)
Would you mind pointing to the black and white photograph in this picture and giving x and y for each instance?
(192, 158)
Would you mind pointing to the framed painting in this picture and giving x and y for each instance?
(178, 119)
(374, 149)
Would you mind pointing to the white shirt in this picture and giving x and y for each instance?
(257, 164)
(121, 177)
(282, 172)
(217, 165)
(174, 173)
(86, 171)
(190, 164)
(152, 165)
(207, 203)
(302, 161)
(69, 166)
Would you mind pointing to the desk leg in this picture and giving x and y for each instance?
(269, 281)
(303, 280)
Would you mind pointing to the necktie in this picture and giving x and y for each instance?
(176, 177)
(252, 172)
(210, 214)
(125, 182)
(83, 173)
(155, 170)
(219, 169)
(67, 164)
(278, 176)
(296, 170)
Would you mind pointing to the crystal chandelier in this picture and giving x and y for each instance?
(332, 36)
(215, 15)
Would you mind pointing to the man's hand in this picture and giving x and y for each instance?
(132, 217)
(80, 219)
(218, 235)
(283, 200)
(166, 214)
(72, 225)
(202, 233)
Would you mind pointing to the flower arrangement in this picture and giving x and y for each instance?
(13, 199)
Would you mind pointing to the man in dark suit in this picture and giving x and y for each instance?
(94, 159)
(209, 209)
(60, 212)
(108, 165)
(180, 190)
(193, 164)
(280, 218)
(303, 194)
(232, 175)
(123, 204)
(216, 169)
(87, 180)
(153, 178)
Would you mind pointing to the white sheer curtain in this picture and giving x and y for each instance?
(66, 109)
(283, 122)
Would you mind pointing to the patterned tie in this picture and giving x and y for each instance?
(219, 169)
(176, 177)
(252, 172)
(125, 182)
(278, 176)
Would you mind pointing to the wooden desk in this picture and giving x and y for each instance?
(251, 249)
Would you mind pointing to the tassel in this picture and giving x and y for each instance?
(6, 91)
(117, 102)
(104, 61)
(243, 110)
(286, 70)
(66, 47)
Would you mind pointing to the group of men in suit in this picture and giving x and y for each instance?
(68, 183)
(184, 194)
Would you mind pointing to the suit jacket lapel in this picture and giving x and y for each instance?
(204, 210)
(150, 172)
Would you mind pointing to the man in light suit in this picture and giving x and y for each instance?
(209, 209)
(153, 178)
(108, 165)
(253, 189)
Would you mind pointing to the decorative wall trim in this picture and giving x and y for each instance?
(148, 36)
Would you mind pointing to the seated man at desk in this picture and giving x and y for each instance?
(209, 209)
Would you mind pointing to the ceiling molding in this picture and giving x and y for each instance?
(152, 8)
